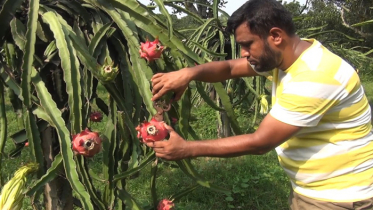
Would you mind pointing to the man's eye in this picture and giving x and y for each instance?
(245, 45)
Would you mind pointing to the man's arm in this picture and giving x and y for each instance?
(219, 71)
(216, 71)
(269, 135)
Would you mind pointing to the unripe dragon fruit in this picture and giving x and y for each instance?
(86, 143)
(263, 105)
(151, 131)
(151, 50)
(12, 194)
(108, 72)
(96, 116)
(166, 204)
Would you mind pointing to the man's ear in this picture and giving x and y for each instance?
(276, 35)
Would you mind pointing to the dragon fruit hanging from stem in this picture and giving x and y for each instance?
(86, 143)
(166, 204)
(151, 50)
(151, 131)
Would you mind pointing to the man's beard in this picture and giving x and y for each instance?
(268, 60)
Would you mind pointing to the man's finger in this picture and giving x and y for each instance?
(160, 93)
(156, 88)
(155, 144)
(160, 155)
(155, 81)
(178, 96)
(156, 76)
(150, 144)
(169, 128)
(159, 150)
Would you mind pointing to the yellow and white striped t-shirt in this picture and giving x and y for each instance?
(331, 158)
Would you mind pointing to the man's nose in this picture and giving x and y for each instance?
(245, 53)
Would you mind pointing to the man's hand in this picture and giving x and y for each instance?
(270, 134)
(176, 81)
(173, 149)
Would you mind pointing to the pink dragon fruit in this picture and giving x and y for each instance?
(166, 204)
(96, 116)
(151, 50)
(151, 131)
(86, 143)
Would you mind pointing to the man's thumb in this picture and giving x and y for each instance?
(169, 128)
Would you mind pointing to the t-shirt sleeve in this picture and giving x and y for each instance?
(306, 98)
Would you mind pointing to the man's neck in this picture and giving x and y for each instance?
(293, 51)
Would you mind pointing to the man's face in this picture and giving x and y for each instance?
(257, 51)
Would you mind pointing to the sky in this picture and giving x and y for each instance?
(232, 5)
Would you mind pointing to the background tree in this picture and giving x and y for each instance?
(339, 27)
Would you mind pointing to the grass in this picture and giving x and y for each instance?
(257, 182)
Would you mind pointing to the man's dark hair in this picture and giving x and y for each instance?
(261, 16)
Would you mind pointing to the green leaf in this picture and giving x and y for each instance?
(215, 8)
(109, 146)
(64, 137)
(28, 60)
(18, 31)
(129, 92)
(149, 158)
(51, 48)
(369, 52)
(165, 12)
(70, 65)
(78, 9)
(130, 202)
(28, 57)
(88, 183)
(182, 9)
(42, 35)
(3, 126)
(175, 197)
(207, 50)
(198, 3)
(185, 110)
(363, 23)
(34, 140)
(225, 100)
(51, 173)
(10, 82)
(135, 142)
(7, 12)
(97, 38)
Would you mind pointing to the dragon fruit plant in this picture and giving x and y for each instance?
(151, 131)
(86, 143)
(151, 50)
(59, 59)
